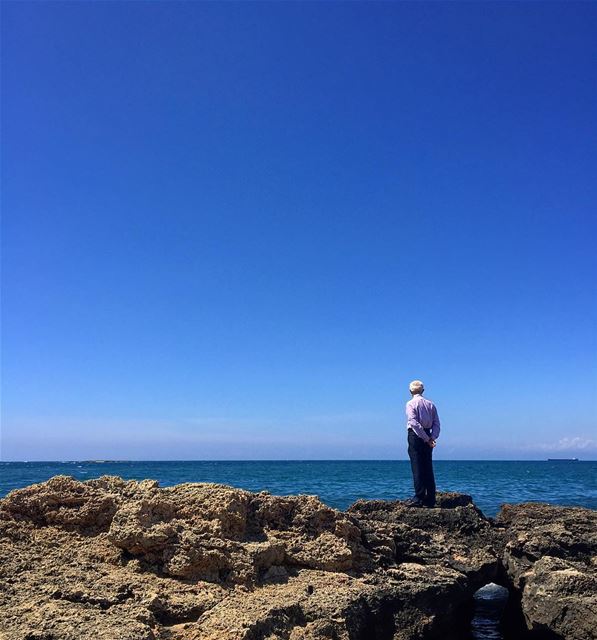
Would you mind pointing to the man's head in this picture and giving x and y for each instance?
(416, 386)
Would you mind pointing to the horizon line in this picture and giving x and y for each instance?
(108, 460)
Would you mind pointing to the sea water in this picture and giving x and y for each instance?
(339, 483)
(490, 602)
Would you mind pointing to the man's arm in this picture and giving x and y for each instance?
(414, 424)
(435, 425)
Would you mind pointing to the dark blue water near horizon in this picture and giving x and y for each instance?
(339, 483)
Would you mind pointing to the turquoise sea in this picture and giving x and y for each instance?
(340, 483)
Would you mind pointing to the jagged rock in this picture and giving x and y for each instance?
(123, 560)
(64, 502)
(459, 537)
(217, 533)
(550, 554)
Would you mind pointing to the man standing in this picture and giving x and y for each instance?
(423, 430)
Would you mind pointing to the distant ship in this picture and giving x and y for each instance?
(562, 459)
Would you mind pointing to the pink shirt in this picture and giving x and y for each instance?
(421, 414)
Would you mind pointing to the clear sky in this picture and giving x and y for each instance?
(238, 230)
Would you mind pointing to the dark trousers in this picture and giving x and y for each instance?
(421, 463)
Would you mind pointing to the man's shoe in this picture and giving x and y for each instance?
(414, 503)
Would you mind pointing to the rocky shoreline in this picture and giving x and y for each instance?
(111, 559)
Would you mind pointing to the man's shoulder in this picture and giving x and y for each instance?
(418, 399)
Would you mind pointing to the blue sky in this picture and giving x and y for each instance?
(238, 230)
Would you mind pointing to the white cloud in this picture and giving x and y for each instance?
(577, 443)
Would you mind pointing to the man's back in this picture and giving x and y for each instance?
(422, 412)
(423, 429)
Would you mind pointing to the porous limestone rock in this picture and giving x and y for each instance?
(111, 559)
(550, 554)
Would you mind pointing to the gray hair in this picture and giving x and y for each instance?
(416, 386)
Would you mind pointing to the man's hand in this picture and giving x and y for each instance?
(431, 443)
